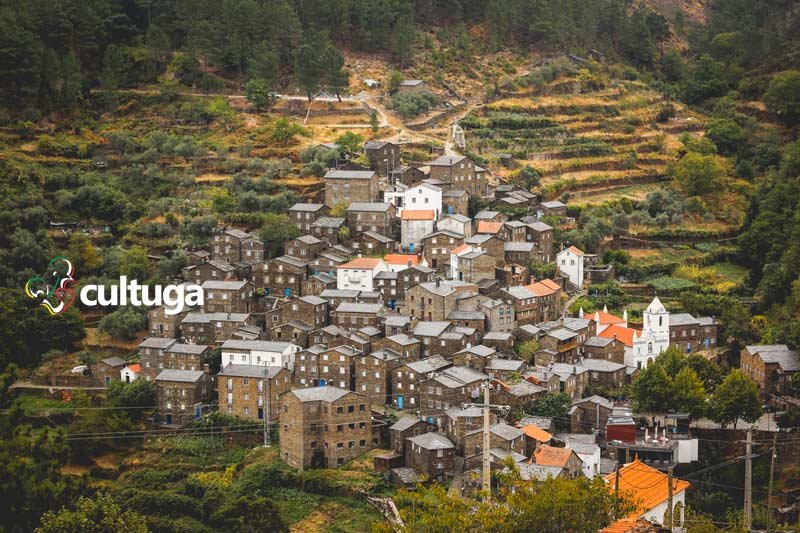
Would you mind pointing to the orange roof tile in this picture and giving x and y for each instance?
(135, 368)
(544, 287)
(487, 226)
(624, 335)
(552, 456)
(418, 214)
(535, 432)
(458, 249)
(575, 251)
(363, 263)
(646, 486)
(401, 259)
(608, 318)
(627, 525)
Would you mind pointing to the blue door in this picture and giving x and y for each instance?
(411, 247)
(399, 401)
(708, 343)
(322, 383)
(430, 420)
(266, 291)
(287, 292)
(261, 413)
(169, 420)
(198, 411)
(393, 304)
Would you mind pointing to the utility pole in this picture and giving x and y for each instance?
(616, 490)
(487, 475)
(748, 481)
(265, 406)
(771, 477)
(669, 517)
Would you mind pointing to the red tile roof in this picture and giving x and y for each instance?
(361, 263)
(457, 250)
(401, 259)
(552, 456)
(486, 226)
(624, 335)
(537, 433)
(646, 486)
(544, 287)
(575, 251)
(608, 318)
(135, 368)
(418, 214)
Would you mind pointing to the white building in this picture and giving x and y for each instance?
(359, 274)
(570, 263)
(586, 448)
(422, 196)
(400, 262)
(654, 337)
(239, 352)
(414, 225)
(455, 253)
(456, 223)
(130, 373)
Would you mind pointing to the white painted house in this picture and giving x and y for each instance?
(359, 274)
(130, 373)
(414, 225)
(570, 263)
(423, 196)
(261, 353)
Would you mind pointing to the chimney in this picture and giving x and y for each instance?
(206, 368)
(438, 283)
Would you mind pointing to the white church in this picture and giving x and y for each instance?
(641, 347)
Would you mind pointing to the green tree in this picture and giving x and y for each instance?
(404, 35)
(783, 96)
(124, 323)
(100, 514)
(259, 94)
(727, 135)
(134, 263)
(553, 406)
(698, 174)
(526, 350)
(374, 124)
(735, 398)
(708, 371)
(135, 396)
(336, 78)
(83, 253)
(264, 64)
(248, 514)
(689, 393)
(308, 68)
(116, 67)
(276, 230)
(350, 143)
(652, 389)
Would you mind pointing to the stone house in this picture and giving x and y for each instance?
(771, 366)
(461, 172)
(408, 347)
(332, 366)
(305, 247)
(160, 324)
(520, 395)
(152, 355)
(553, 208)
(558, 345)
(281, 276)
(296, 332)
(438, 246)
(534, 303)
(383, 156)
(459, 421)
(348, 186)
(327, 263)
(503, 369)
(490, 244)
(433, 301)
(590, 414)
(454, 386)
(304, 215)
(213, 269)
(406, 175)
(312, 310)
(456, 223)
(371, 242)
(386, 284)
(475, 266)
(604, 348)
(107, 370)
(327, 228)
(574, 378)
(242, 390)
(415, 224)
(213, 328)
(180, 356)
(405, 428)
(373, 216)
(474, 357)
(604, 372)
(413, 86)
(432, 455)
(412, 276)
(236, 246)
(352, 316)
(455, 202)
(542, 235)
(373, 373)
(315, 284)
(323, 427)
(692, 334)
(228, 296)
(499, 315)
(519, 253)
(395, 324)
(565, 458)
(407, 378)
(180, 393)
(501, 341)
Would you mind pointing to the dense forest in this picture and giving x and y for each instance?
(66, 64)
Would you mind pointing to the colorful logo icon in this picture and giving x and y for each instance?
(55, 286)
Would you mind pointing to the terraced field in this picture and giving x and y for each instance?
(594, 146)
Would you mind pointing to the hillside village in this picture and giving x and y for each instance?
(395, 316)
(457, 265)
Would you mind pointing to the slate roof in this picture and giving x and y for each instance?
(184, 376)
(205, 318)
(601, 365)
(432, 441)
(113, 361)
(223, 285)
(370, 207)
(777, 354)
(350, 174)
(324, 394)
(405, 423)
(429, 364)
(306, 207)
(188, 348)
(157, 342)
(353, 307)
(249, 371)
(430, 329)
